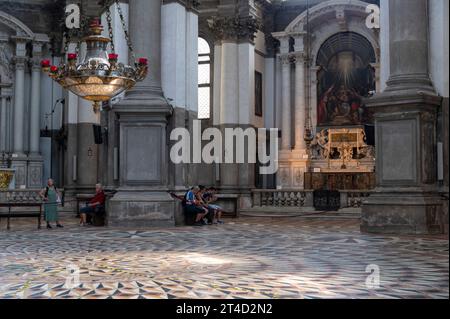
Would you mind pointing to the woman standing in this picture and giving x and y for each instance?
(52, 197)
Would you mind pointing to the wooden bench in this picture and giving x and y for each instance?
(15, 214)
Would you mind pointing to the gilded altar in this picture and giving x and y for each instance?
(342, 150)
(6, 179)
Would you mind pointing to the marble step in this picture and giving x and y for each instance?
(277, 212)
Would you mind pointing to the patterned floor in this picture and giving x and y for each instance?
(251, 258)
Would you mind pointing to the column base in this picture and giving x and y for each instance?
(141, 209)
(292, 167)
(403, 212)
(35, 171)
(19, 164)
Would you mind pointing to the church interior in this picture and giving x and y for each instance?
(356, 91)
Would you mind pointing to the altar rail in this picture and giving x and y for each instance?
(20, 195)
(281, 198)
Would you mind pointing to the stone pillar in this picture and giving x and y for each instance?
(35, 164)
(408, 43)
(19, 158)
(286, 115)
(145, 33)
(142, 198)
(19, 97)
(3, 114)
(313, 99)
(300, 105)
(406, 199)
(35, 109)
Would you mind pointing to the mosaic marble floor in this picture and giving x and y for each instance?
(245, 258)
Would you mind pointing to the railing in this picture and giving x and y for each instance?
(303, 198)
(19, 195)
(279, 198)
(356, 198)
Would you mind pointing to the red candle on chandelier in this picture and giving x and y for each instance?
(72, 56)
(54, 68)
(45, 63)
(143, 61)
(113, 56)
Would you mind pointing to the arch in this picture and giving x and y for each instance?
(346, 41)
(325, 8)
(19, 27)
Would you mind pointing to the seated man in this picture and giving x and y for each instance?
(94, 205)
(193, 206)
(209, 197)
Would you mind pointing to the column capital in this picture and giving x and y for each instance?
(237, 29)
(299, 57)
(285, 59)
(20, 62)
(35, 64)
(283, 38)
(190, 5)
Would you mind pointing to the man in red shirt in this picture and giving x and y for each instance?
(94, 204)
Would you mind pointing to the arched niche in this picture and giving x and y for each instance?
(331, 20)
(15, 25)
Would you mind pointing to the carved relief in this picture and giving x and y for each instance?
(34, 176)
(6, 66)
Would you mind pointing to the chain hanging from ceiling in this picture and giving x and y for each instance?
(309, 135)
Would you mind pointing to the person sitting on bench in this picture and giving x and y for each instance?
(209, 197)
(193, 206)
(94, 206)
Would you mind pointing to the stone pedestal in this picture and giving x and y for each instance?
(292, 168)
(19, 164)
(35, 172)
(406, 199)
(142, 198)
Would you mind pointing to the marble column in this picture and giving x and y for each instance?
(142, 197)
(19, 97)
(145, 34)
(406, 199)
(3, 122)
(286, 115)
(19, 158)
(408, 43)
(35, 162)
(311, 104)
(300, 99)
(35, 109)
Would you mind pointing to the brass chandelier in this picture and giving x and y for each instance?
(99, 77)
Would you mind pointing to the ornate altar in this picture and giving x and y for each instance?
(342, 150)
(6, 179)
(341, 159)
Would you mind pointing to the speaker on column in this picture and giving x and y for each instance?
(370, 134)
(98, 136)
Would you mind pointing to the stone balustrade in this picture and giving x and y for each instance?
(281, 198)
(355, 198)
(20, 196)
